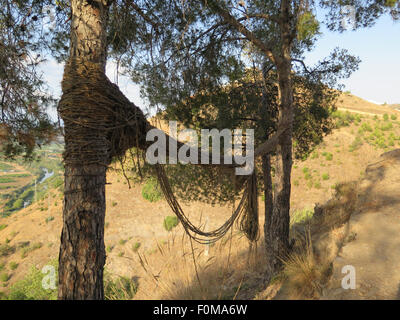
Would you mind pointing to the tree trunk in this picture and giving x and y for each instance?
(277, 229)
(268, 195)
(82, 253)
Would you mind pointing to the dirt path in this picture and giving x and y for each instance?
(373, 246)
(357, 111)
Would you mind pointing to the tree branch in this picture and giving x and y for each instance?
(303, 64)
(146, 18)
(231, 20)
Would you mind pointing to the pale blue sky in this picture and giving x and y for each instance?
(378, 76)
(377, 80)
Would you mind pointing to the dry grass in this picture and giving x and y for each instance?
(183, 269)
(305, 275)
(354, 103)
(317, 241)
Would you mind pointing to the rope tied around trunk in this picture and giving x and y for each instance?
(100, 122)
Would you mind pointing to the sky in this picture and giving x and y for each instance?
(377, 79)
(378, 47)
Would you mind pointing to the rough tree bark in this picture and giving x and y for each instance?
(82, 252)
(277, 229)
(268, 194)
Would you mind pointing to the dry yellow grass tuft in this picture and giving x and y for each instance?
(304, 274)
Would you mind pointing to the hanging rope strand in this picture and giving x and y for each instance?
(247, 208)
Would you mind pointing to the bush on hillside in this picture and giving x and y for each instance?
(31, 288)
(170, 222)
(151, 190)
(120, 288)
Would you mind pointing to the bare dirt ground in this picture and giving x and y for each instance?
(373, 248)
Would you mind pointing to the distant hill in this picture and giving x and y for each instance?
(353, 103)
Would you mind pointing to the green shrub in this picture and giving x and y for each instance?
(393, 117)
(301, 216)
(387, 126)
(329, 156)
(4, 277)
(31, 288)
(315, 155)
(114, 203)
(2, 265)
(386, 117)
(18, 204)
(381, 143)
(343, 119)
(13, 265)
(151, 190)
(3, 226)
(170, 222)
(122, 242)
(366, 127)
(325, 176)
(121, 288)
(378, 132)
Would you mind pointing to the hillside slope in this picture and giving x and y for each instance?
(134, 226)
(374, 229)
(353, 103)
